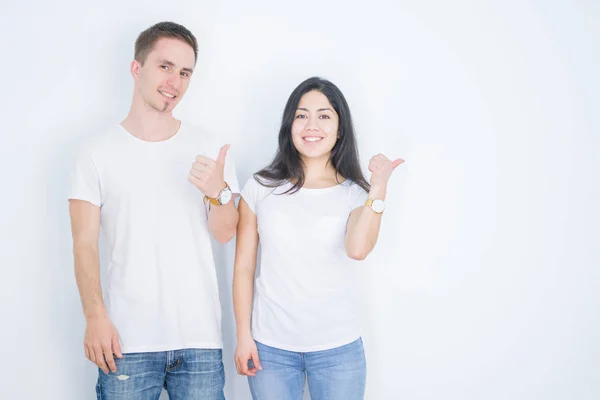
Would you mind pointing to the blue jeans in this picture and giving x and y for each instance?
(335, 374)
(186, 375)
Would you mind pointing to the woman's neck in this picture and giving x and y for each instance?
(319, 173)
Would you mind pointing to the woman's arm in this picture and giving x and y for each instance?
(363, 228)
(243, 288)
(363, 224)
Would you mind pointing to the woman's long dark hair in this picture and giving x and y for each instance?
(288, 165)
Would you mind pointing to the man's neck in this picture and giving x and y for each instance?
(146, 123)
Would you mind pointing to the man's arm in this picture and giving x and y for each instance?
(208, 176)
(222, 221)
(101, 338)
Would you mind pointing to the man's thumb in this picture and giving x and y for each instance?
(222, 154)
(116, 347)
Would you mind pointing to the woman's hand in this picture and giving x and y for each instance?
(246, 350)
(381, 169)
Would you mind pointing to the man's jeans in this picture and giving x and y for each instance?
(186, 375)
(335, 374)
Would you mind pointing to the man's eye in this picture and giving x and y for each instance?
(164, 67)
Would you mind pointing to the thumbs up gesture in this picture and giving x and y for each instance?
(207, 174)
(381, 169)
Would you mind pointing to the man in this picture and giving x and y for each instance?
(158, 188)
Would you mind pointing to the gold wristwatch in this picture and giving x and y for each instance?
(222, 198)
(377, 205)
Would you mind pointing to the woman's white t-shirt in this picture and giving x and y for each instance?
(305, 295)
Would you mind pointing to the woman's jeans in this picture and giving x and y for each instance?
(334, 374)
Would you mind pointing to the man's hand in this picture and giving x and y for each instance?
(207, 175)
(101, 342)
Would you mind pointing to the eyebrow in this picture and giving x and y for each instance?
(172, 64)
(320, 109)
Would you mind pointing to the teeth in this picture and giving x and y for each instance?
(312, 139)
(169, 95)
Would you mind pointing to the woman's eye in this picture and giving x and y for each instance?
(324, 116)
(300, 116)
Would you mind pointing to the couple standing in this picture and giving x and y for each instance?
(159, 188)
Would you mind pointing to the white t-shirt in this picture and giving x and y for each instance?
(305, 297)
(161, 289)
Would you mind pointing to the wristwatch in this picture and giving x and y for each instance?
(222, 198)
(377, 205)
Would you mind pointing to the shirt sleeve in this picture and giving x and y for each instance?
(85, 180)
(250, 193)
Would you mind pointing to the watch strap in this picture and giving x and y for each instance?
(215, 201)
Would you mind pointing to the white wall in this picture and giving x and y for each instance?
(484, 284)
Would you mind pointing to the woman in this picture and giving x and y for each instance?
(315, 214)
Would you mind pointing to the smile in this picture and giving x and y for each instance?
(167, 94)
(312, 138)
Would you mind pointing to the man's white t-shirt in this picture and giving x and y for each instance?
(161, 289)
(305, 296)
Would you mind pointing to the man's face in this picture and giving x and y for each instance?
(165, 76)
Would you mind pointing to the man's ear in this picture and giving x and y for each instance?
(135, 69)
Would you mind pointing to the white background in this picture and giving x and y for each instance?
(484, 283)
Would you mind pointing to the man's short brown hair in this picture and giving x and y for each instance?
(148, 38)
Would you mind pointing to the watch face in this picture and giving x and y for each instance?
(225, 196)
(378, 206)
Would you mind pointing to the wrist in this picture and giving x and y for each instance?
(378, 192)
(96, 315)
(244, 334)
(213, 195)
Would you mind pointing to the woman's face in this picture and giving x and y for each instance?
(315, 127)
